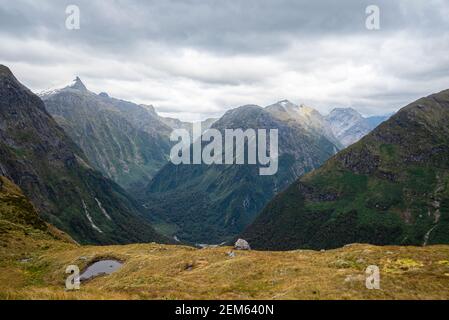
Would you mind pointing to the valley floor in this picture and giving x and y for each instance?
(36, 270)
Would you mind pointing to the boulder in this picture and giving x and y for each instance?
(242, 245)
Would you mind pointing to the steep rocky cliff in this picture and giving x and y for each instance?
(54, 173)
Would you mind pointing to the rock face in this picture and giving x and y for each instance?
(54, 173)
(241, 244)
(126, 142)
(213, 203)
(381, 190)
(349, 126)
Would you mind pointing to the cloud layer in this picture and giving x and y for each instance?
(196, 59)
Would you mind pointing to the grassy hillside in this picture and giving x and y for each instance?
(22, 231)
(153, 271)
(34, 256)
(392, 187)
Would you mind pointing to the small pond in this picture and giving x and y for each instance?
(101, 267)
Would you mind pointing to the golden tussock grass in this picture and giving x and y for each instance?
(35, 269)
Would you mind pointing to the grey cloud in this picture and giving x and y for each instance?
(202, 57)
(223, 26)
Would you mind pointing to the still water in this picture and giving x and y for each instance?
(100, 268)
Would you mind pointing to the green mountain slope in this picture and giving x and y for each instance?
(213, 203)
(125, 141)
(391, 187)
(19, 216)
(37, 155)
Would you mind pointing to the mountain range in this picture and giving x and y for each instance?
(391, 187)
(127, 142)
(213, 203)
(340, 184)
(54, 173)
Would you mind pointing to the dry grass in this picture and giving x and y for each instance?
(153, 271)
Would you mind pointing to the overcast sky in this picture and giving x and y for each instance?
(197, 58)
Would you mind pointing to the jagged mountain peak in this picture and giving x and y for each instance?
(237, 113)
(77, 84)
(4, 71)
(348, 125)
(285, 103)
(7, 76)
(150, 108)
(344, 112)
(247, 107)
(249, 113)
(241, 117)
(286, 106)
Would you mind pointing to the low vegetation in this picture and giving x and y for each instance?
(34, 257)
(391, 187)
(36, 270)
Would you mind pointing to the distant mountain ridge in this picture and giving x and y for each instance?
(343, 126)
(213, 203)
(391, 187)
(349, 126)
(305, 116)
